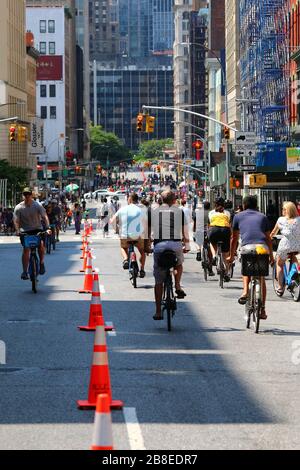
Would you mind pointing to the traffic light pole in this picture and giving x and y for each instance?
(208, 118)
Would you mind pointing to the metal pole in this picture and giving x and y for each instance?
(95, 95)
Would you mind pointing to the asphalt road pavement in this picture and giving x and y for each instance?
(209, 384)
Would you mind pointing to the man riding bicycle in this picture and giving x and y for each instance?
(220, 231)
(131, 226)
(170, 230)
(28, 217)
(253, 227)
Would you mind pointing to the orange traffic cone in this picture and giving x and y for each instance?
(87, 254)
(96, 312)
(88, 277)
(103, 438)
(100, 378)
(84, 240)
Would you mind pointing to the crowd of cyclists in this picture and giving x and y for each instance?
(161, 221)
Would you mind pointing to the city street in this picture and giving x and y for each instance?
(208, 384)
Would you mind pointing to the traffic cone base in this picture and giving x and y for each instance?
(86, 405)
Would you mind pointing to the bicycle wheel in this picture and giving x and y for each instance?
(134, 271)
(205, 263)
(248, 312)
(257, 304)
(295, 289)
(169, 304)
(33, 270)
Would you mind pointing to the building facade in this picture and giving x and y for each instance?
(54, 31)
(232, 43)
(123, 92)
(13, 93)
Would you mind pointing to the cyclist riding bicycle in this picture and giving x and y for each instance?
(253, 227)
(220, 231)
(130, 223)
(169, 231)
(28, 218)
(56, 209)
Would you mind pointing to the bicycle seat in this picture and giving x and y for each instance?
(167, 259)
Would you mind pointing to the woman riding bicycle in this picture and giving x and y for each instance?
(220, 231)
(289, 226)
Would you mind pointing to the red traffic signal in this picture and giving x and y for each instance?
(140, 123)
(13, 134)
(226, 133)
(198, 145)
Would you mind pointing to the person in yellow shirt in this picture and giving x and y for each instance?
(220, 231)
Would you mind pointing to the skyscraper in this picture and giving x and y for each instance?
(131, 41)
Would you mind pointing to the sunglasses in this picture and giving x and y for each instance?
(27, 194)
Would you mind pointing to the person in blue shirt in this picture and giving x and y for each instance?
(131, 225)
(253, 228)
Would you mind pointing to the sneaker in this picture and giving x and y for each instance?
(198, 257)
(126, 264)
(227, 278)
(24, 276)
(142, 274)
(42, 269)
(211, 273)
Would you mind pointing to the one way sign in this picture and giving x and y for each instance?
(246, 168)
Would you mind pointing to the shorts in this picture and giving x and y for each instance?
(138, 243)
(158, 272)
(220, 234)
(30, 232)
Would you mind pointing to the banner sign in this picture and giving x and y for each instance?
(293, 159)
(37, 137)
(50, 67)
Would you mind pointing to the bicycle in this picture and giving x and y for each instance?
(255, 266)
(291, 278)
(133, 264)
(33, 242)
(206, 263)
(168, 261)
(221, 269)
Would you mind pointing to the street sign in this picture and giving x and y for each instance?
(246, 168)
(243, 151)
(245, 138)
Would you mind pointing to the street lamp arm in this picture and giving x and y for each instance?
(208, 118)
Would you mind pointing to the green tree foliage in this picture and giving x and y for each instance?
(106, 146)
(153, 149)
(17, 179)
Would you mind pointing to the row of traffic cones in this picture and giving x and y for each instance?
(99, 392)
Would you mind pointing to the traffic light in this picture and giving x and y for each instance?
(150, 124)
(140, 123)
(77, 170)
(99, 169)
(22, 134)
(226, 133)
(13, 134)
(236, 183)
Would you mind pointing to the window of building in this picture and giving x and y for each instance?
(51, 26)
(44, 112)
(52, 91)
(43, 91)
(43, 48)
(52, 48)
(43, 26)
(52, 112)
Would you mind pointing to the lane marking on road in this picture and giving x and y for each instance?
(193, 352)
(136, 440)
(113, 332)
